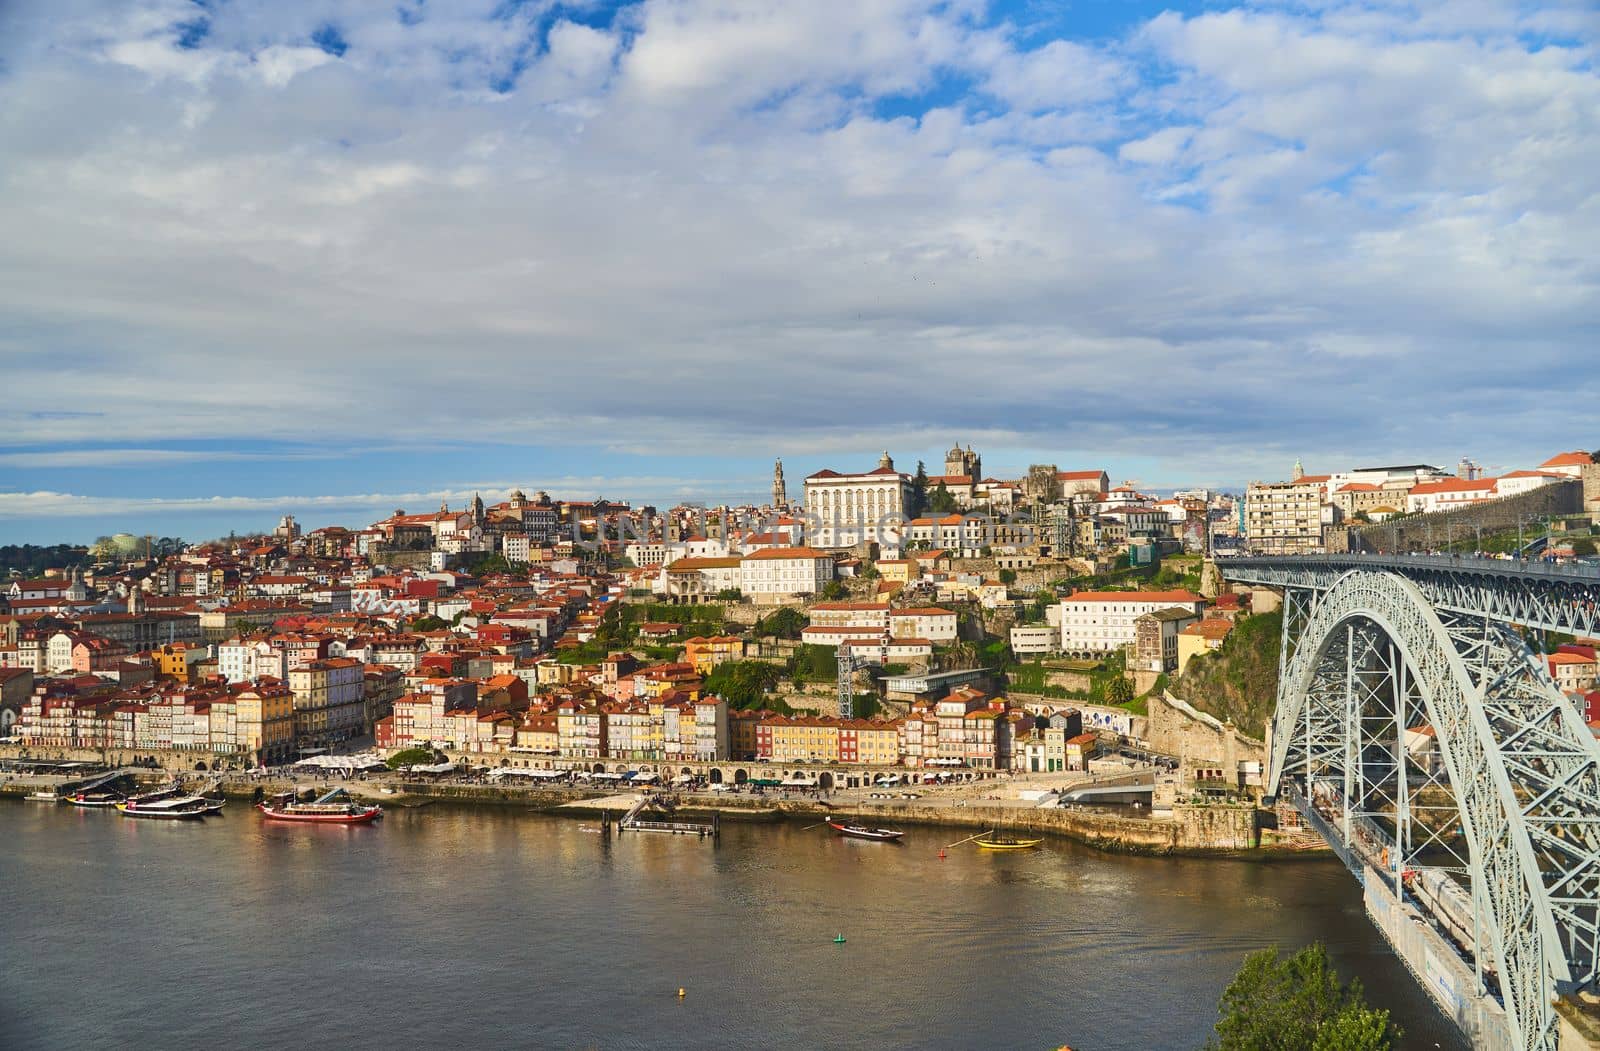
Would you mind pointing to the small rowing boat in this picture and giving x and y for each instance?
(42, 797)
(335, 808)
(882, 835)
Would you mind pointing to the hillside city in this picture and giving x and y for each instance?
(1051, 624)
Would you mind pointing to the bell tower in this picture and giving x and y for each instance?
(780, 492)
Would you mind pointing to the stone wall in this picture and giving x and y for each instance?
(1197, 742)
(1415, 534)
(401, 558)
(1591, 488)
(1192, 830)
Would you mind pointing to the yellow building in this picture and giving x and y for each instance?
(264, 721)
(1201, 637)
(539, 733)
(874, 743)
(176, 661)
(707, 653)
(805, 738)
(898, 570)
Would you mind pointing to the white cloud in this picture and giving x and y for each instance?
(711, 226)
(44, 503)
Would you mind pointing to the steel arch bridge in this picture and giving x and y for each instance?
(1382, 656)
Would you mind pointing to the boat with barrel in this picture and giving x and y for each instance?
(881, 835)
(335, 808)
(102, 793)
(92, 800)
(170, 808)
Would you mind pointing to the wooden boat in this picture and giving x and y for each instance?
(999, 842)
(335, 808)
(882, 835)
(177, 808)
(93, 799)
(172, 791)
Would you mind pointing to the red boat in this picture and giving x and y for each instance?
(882, 835)
(335, 808)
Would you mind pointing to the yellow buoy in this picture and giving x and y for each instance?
(680, 994)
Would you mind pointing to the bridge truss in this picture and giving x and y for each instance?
(1379, 656)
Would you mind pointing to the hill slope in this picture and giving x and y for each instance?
(1240, 680)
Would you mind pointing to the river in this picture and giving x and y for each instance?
(446, 927)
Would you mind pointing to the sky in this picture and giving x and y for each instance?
(338, 258)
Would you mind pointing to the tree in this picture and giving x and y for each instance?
(833, 590)
(816, 663)
(1297, 1002)
(1583, 547)
(941, 501)
(495, 563)
(919, 491)
(784, 623)
(1119, 691)
(743, 684)
(1008, 577)
(428, 623)
(410, 757)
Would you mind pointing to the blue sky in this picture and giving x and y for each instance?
(338, 257)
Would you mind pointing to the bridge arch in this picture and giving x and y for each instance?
(1496, 714)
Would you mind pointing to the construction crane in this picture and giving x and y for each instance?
(849, 662)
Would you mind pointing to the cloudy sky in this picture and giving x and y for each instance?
(340, 257)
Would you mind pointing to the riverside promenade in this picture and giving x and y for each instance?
(1230, 829)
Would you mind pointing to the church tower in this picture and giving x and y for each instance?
(1299, 470)
(780, 492)
(963, 461)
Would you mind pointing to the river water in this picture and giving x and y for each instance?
(444, 927)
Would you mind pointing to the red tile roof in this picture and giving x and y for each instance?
(1173, 597)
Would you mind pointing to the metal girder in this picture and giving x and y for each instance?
(1523, 766)
(1534, 594)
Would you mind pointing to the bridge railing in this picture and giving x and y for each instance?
(1566, 571)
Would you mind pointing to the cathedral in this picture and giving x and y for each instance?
(963, 462)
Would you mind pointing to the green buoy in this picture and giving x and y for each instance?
(838, 939)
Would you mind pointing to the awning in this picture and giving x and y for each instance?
(683, 779)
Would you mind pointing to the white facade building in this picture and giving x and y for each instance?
(850, 508)
(1102, 621)
(244, 660)
(782, 572)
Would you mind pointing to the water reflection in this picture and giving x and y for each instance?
(503, 929)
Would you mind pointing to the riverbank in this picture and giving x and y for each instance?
(1222, 830)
